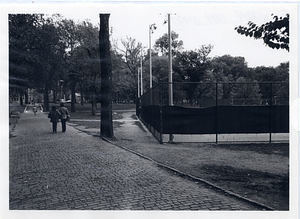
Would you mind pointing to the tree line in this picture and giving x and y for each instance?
(45, 51)
(197, 65)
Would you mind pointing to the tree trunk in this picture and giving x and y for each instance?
(21, 99)
(54, 96)
(73, 97)
(46, 98)
(81, 95)
(26, 96)
(106, 78)
(94, 104)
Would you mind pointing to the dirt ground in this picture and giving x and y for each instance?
(259, 172)
(260, 180)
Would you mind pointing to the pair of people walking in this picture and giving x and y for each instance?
(61, 114)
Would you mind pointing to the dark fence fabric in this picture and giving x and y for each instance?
(253, 119)
(216, 108)
(225, 120)
(151, 116)
(182, 120)
(243, 119)
(281, 116)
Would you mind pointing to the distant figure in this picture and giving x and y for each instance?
(54, 116)
(65, 116)
(34, 110)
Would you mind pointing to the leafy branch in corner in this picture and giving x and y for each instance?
(275, 34)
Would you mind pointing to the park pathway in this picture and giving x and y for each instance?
(74, 170)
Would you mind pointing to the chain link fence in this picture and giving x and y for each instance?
(216, 108)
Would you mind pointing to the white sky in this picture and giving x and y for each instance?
(196, 24)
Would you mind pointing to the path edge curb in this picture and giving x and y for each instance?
(264, 207)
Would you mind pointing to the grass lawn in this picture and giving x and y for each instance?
(85, 111)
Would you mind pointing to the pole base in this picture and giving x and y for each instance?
(171, 138)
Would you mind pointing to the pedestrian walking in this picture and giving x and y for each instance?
(54, 116)
(34, 110)
(65, 116)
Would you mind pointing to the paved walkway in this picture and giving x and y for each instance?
(74, 170)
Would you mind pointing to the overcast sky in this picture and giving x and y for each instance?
(196, 24)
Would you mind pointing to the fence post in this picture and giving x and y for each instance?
(270, 113)
(171, 136)
(161, 115)
(216, 115)
(137, 107)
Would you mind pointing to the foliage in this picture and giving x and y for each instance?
(127, 57)
(270, 74)
(35, 51)
(21, 29)
(162, 44)
(124, 82)
(245, 93)
(84, 68)
(275, 34)
(191, 66)
(227, 66)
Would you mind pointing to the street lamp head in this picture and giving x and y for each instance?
(152, 27)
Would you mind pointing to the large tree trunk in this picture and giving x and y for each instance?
(106, 78)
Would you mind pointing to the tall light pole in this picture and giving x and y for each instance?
(170, 63)
(151, 27)
(141, 71)
(139, 95)
(171, 136)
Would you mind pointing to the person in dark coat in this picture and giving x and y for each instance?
(54, 116)
(34, 110)
(64, 116)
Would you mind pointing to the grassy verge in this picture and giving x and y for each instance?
(84, 112)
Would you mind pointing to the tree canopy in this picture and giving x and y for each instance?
(162, 44)
(36, 52)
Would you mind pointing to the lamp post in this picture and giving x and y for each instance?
(170, 63)
(139, 95)
(171, 136)
(152, 27)
(141, 71)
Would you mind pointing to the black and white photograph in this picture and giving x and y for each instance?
(149, 109)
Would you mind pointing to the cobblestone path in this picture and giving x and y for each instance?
(73, 170)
